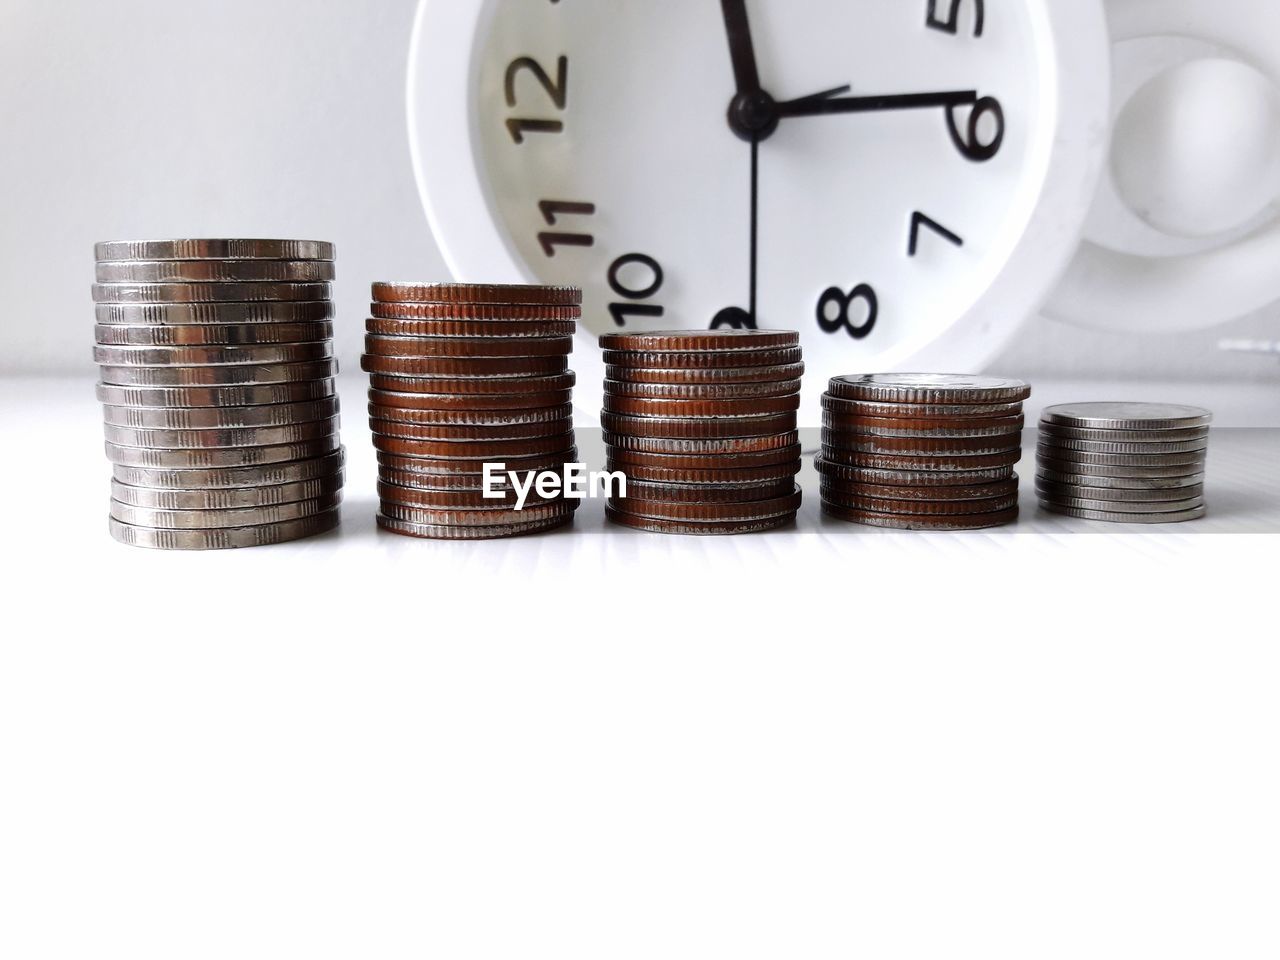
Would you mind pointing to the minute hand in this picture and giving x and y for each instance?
(812, 107)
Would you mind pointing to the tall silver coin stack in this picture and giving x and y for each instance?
(1123, 462)
(922, 451)
(217, 383)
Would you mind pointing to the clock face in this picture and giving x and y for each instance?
(887, 156)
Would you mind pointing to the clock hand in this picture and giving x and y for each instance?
(741, 49)
(818, 105)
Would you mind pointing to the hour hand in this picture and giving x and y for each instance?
(820, 104)
(741, 49)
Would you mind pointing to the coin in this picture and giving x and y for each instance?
(691, 341)
(455, 367)
(213, 271)
(424, 471)
(213, 250)
(907, 462)
(227, 499)
(1067, 455)
(702, 360)
(701, 392)
(924, 446)
(917, 492)
(700, 528)
(914, 507)
(1111, 516)
(214, 519)
(238, 375)
(919, 411)
(470, 328)
(457, 499)
(472, 293)
(625, 460)
(727, 445)
(709, 375)
(221, 418)
(482, 450)
(1077, 495)
(973, 521)
(214, 356)
(749, 407)
(732, 478)
(1120, 483)
(916, 479)
(492, 532)
(161, 439)
(704, 512)
(503, 516)
(692, 428)
(474, 403)
(470, 312)
(232, 396)
(472, 386)
(470, 432)
(467, 347)
(219, 457)
(716, 492)
(209, 334)
(1127, 416)
(221, 478)
(933, 388)
(1111, 434)
(1094, 471)
(227, 537)
(479, 418)
(208, 292)
(1102, 446)
(219, 314)
(940, 429)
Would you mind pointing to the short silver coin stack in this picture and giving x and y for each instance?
(1123, 462)
(217, 383)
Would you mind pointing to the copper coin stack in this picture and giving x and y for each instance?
(922, 451)
(703, 425)
(463, 375)
(217, 383)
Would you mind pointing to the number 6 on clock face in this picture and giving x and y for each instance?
(900, 180)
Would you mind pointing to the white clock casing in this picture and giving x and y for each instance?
(836, 192)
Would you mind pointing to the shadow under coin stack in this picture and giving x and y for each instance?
(703, 425)
(217, 380)
(462, 375)
(1123, 462)
(922, 451)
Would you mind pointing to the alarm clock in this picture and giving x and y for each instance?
(901, 181)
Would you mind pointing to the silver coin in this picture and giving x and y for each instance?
(209, 292)
(1114, 517)
(197, 314)
(227, 499)
(1116, 435)
(222, 396)
(1001, 427)
(1076, 491)
(1127, 416)
(1120, 506)
(225, 538)
(1119, 483)
(213, 271)
(1176, 468)
(219, 457)
(222, 478)
(160, 439)
(229, 375)
(1123, 447)
(214, 356)
(943, 388)
(220, 418)
(914, 411)
(492, 532)
(1050, 452)
(215, 519)
(213, 249)
(209, 334)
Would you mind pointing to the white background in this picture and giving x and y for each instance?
(883, 747)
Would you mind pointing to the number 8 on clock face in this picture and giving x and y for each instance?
(899, 180)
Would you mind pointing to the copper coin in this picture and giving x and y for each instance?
(884, 461)
(219, 418)
(919, 411)
(923, 446)
(701, 392)
(456, 499)
(468, 386)
(708, 492)
(471, 312)
(494, 532)
(698, 529)
(469, 328)
(935, 388)
(913, 508)
(209, 292)
(727, 445)
(470, 402)
(478, 418)
(628, 459)
(974, 521)
(245, 374)
(209, 334)
(690, 428)
(556, 510)
(911, 478)
(470, 293)
(469, 432)
(467, 347)
(392, 465)
(712, 375)
(217, 314)
(741, 476)
(709, 512)
(219, 457)
(481, 450)
(692, 341)
(701, 361)
(241, 396)
(884, 491)
(439, 368)
(750, 407)
(885, 427)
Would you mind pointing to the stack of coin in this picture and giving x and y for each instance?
(703, 425)
(1123, 462)
(922, 451)
(217, 384)
(464, 375)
